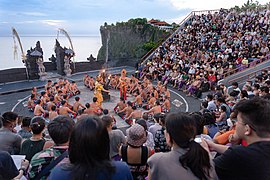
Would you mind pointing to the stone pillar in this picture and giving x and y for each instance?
(60, 54)
(32, 67)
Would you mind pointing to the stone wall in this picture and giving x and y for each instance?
(86, 66)
(11, 75)
(19, 74)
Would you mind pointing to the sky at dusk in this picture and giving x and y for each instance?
(84, 17)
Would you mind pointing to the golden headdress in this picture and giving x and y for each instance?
(98, 78)
(123, 72)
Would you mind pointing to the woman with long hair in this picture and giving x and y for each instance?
(187, 159)
(89, 149)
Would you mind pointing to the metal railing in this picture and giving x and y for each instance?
(241, 68)
(248, 76)
(152, 51)
(201, 12)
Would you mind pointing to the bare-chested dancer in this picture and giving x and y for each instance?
(120, 105)
(77, 105)
(136, 114)
(155, 109)
(89, 110)
(39, 111)
(91, 83)
(96, 107)
(166, 106)
(126, 111)
(64, 110)
(58, 98)
(53, 113)
(50, 103)
(138, 100)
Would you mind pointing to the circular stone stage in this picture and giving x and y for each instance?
(179, 103)
(87, 97)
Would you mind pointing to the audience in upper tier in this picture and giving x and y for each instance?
(208, 48)
(228, 139)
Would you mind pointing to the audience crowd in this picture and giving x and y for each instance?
(229, 138)
(210, 47)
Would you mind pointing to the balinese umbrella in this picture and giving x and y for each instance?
(69, 51)
(36, 53)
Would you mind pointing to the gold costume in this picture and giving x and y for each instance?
(123, 84)
(98, 93)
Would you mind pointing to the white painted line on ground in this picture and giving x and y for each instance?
(187, 107)
(1, 103)
(19, 101)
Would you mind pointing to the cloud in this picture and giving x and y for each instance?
(57, 23)
(38, 14)
(86, 16)
(26, 22)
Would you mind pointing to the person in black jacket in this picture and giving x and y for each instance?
(205, 86)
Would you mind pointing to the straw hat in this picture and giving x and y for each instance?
(136, 135)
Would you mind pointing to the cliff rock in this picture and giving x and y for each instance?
(128, 41)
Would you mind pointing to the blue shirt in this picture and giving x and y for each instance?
(211, 106)
(228, 110)
(122, 172)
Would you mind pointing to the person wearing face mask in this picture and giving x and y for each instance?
(10, 141)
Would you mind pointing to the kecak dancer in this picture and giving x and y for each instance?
(123, 84)
(98, 91)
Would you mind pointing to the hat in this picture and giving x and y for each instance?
(136, 135)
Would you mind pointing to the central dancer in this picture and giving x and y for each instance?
(123, 84)
(98, 91)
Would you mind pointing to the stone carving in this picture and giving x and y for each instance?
(41, 68)
(91, 58)
(67, 69)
